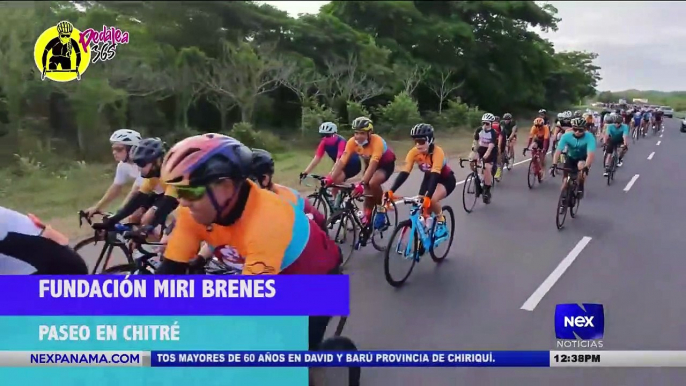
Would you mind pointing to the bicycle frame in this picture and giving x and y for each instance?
(417, 227)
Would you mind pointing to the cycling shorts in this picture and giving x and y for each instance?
(612, 144)
(352, 169)
(491, 158)
(387, 167)
(449, 182)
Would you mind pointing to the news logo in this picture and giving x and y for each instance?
(583, 323)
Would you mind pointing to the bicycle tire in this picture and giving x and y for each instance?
(531, 174)
(105, 253)
(574, 209)
(319, 203)
(434, 257)
(346, 218)
(125, 268)
(610, 170)
(561, 209)
(342, 343)
(469, 182)
(407, 224)
(378, 245)
(511, 160)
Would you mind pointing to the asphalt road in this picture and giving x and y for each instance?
(494, 291)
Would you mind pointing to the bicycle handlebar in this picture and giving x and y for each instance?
(462, 160)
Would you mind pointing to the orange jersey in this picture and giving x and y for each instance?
(272, 236)
(376, 150)
(149, 185)
(540, 133)
(434, 162)
(299, 201)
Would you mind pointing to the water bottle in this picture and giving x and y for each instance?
(421, 220)
(429, 222)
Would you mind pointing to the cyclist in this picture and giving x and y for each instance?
(578, 114)
(508, 132)
(542, 113)
(29, 247)
(589, 122)
(647, 117)
(485, 142)
(333, 145)
(158, 199)
(597, 122)
(580, 146)
(439, 180)
(636, 121)
(263, 175)
(564, 126)
(496, 127)
(539, 137)
(122, 141)
(616, 134)
(658, 118)
(379, 161)
(258, 231)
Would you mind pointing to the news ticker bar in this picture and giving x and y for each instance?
(343, 359)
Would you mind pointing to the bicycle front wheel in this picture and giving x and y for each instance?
(531, 175)
(344, 233)
(87, 247)
(561, 210)
(403, 246)
(469, 193)
(318, 202)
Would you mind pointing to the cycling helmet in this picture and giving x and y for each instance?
(618, 119)
(577, 114)
(362, 124)
(542, 111)
(560, 115)
(64, 27)
(538, 122)
(497, 118)
(578, 122)
(488, 117)
(422, 130)
(147, 151)
(567, 114)
(328, 128)
(203, 159)
(125, 137)
(507, 116)
(262, 163)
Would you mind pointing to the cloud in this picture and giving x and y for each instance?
(640, 45)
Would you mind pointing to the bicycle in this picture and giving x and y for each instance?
(570, 191)
(535, 168)
(144, 263)
(473, 184)
(509, 156)
(321, 199)
(348, 218)
(111, 242)
(614, 160)
(419, 237)
(656, 127)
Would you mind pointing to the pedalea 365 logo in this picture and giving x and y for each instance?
(103, 43)
(63, 53)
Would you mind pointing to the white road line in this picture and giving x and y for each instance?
(658, 143)
(651, 155)
(661, 135)
(631, 183)
(535, 298)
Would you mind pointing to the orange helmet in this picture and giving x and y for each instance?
(538, 122)
(203, 159)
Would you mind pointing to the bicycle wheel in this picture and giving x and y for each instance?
(510, 160)
(561, 212)
(344, 233)
(469, 193)
(611, 170)
(531, 175)
(391, 221)
(574, 209)
(318, 202)
(337, 344)
(399, 251)
(126, 269)
(105, 254)
(450, 225)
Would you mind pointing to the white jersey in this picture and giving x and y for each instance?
(127, 172)
(15, 222)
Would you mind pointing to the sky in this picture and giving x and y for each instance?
(640, 45)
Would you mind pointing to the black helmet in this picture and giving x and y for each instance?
(262, 163)
(578, 114)
(422, 130)
(507, 116)
(362, 124)
(147, 151)
(497, 118)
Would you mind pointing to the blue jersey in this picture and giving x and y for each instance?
(616, 133)
(646, 116)
(577, 148)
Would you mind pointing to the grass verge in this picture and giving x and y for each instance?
(56, 197)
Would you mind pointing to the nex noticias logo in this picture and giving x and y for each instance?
(579, 321)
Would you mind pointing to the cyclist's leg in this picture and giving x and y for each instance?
(513, 141)
(580, 164)
(381, 175)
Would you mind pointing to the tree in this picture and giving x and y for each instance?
(443, 87)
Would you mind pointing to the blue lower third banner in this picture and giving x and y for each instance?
(176, 295)
(350, 359)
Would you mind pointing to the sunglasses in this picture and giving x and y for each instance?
(420, 141)
(578, 129)
(141, 164)
(118, 149)
(64, 36)
(326, 135)
(191, 193)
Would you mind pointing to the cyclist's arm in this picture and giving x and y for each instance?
(532, 134)
(182, 246)
(121, 177)
(138, 200)
(157, 214)
(318, 154)
(590, 149)
(513, 133)
(343, 160)
(626, 134)
(435, 174)
(546, 137)
(405, 172)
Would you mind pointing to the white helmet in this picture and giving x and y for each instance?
(488, 117)
(125, 137)
(328, 128)
(567, 114)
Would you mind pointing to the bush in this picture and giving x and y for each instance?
(401, 113)
(176, 135)
(355, 109)
(244, 132)
(316, 115)
(474, 115)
